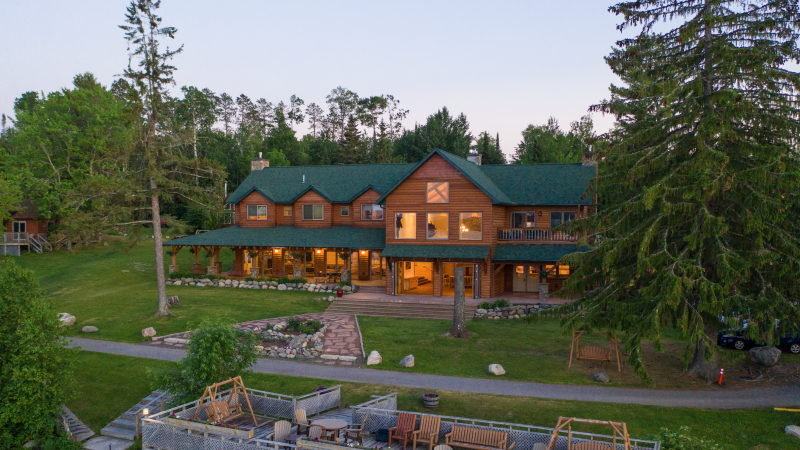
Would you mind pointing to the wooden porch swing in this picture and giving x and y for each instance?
(221, 411)
(591, 353)
(620, 429)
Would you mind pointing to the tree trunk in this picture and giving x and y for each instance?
(707, 370)
(459, 302)
(163, 304)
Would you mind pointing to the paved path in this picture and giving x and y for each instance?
(711, 399)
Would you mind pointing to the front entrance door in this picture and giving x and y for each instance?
(526, 278)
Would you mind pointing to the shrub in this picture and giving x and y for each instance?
(682, 440)
(216, 352)
(36, 375)
(497, 304)
(175, 275)
(293, 323)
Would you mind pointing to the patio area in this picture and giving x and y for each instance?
(159, 432)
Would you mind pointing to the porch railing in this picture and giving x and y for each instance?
(15, 238)
(534, 235)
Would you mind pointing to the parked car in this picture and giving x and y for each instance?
(736, 338)
(790, 343)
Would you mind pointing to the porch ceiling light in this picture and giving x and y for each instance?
(319, 251)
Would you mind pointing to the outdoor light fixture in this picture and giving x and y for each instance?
(319, 251)
(540, 213)
(363, 252)
(146, 412)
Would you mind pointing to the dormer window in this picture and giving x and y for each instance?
(371, 212)
(312, 212)
(256, 212)
(438, 192)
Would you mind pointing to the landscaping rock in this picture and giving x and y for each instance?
(67, 320)
(330, 357)
(374, 358)
(281, 287)
(792, 430)
(766, 356)
(601, 377)
(149, 332)
(89, 329)
(408, 361)
(330, 299)
(496, 369)
(348, 358)
(32, 444)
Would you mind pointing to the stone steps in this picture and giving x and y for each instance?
(397, 309)
(79, 430)
(124, 426)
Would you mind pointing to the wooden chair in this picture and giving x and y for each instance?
(281, 431)
(405, 426)
(446, 447)
(428, 432)
(353, 432)
(315, 432)
(539, 446)
(301, 421)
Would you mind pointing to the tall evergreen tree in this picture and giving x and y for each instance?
(442, 131)
(315, 116)
(699, 187)
(353, 146)
(295, 113)
(226, 111)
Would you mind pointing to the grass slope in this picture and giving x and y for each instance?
(113, 288)
(109, 384)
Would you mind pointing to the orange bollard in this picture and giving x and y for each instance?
(721, 370)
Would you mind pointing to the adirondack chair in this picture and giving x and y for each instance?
(539, 446)
(428, 432)
(353, 432)
(282, 431)
(315, 432)
(405, 426)
(301, 421)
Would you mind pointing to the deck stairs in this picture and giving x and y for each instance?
(124, 426)
(397, 309)
(372, 289)
(39, 243)
(70, 423)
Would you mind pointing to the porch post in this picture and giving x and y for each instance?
(212, 266)
(197, 268)
(174, 266)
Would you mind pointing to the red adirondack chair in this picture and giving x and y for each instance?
(404, 429)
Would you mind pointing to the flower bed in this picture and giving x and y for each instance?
(293, 338)
(221, 429)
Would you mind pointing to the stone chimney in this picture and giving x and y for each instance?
(589, 158)
(474, 157)
(258, 164)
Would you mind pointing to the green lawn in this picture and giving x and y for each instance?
(108, 385)
(114, 289)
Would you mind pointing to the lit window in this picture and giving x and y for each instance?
(344, 211)
(438, 225)
(405, 226)
(563, 271)
(524, 219)
(470, 226)
(439, 192)
(287, 211)
(371, 212)
(553, 271)
(257, 212)
(312, 212)
(557, 218)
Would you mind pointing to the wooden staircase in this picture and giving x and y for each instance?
(124, 426)
(397, 309)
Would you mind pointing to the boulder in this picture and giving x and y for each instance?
(408, 361)
(792, 430)
(347, 289)
(496, 369)
(149, 332)
(177, 283)
(331, 298)
(766, 356)
(601, 377)
(374, 358)
(89, 329)
(32, 444)
(67, 320)
(281, 287)
(480, 311)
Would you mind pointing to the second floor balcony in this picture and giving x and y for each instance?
(533, 235)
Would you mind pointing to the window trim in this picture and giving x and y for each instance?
(428, 190)
(397, 230)
(287, 208)
(321, 207)
(372, 209)
(511, 218)
(447, 236)
(343, 209)
(17, 222)
(562, 217)
(256, 217)
(459, 225)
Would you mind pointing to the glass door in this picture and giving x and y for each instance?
(375, 266)
(532, 283)
(519, 279)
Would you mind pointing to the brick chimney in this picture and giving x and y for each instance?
(589, 158)
(258, 164)
(474, 157)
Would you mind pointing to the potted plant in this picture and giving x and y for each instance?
(430, 400)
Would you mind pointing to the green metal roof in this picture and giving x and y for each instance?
(542, 184)
(338, 184)
(343, 237)
(532, 252)
(436, 251)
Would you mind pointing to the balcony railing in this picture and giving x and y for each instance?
(534, 235)
(15, 238)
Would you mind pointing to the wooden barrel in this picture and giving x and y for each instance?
(430, 401)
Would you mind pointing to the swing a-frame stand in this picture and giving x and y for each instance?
(593, 353)
(221, 411)
(620, 430)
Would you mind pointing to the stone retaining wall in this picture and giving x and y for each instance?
(511, 312)
(229, 283)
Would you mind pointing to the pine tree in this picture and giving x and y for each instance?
(699, 186)
(315, 117)
(226, 111)
(352, 143)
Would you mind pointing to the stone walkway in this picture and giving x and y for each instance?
(342, 339)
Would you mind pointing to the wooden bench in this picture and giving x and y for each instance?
(594, 354)
(477, 438)
(220, 412)
(591, 446)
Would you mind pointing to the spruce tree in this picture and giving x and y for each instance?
(699, 186)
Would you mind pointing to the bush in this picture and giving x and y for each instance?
(36, 375)
(682, 440)
(216, 352)
(497, 304)
(175, 275)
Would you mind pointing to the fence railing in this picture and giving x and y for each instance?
(15, 238)
(534, 235)
(523, 436)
